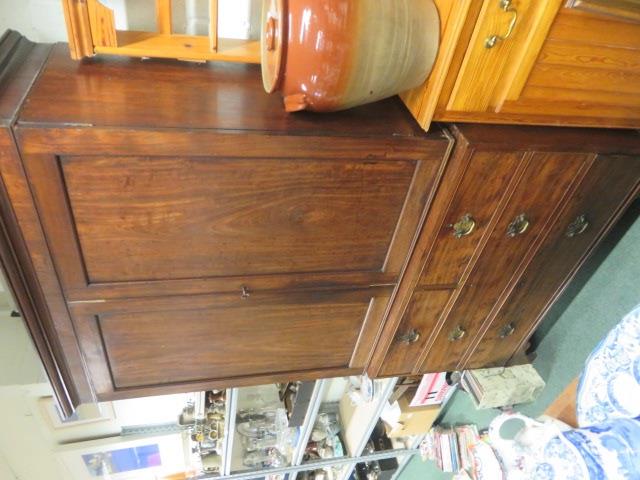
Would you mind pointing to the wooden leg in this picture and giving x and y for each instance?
(163, 16)
(213, 25)
(76, 16)
(103, 24)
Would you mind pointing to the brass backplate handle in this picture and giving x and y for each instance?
(463, 227)
(518, 226)
(505, 6)
(578, 226)
(507, 330)
(457, 334)
(410, 337)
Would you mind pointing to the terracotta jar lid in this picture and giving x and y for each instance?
(273, 44)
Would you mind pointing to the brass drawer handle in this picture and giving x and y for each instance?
(457, 334)
(244, 293)
(518, 226)
(410, 337)
(505, 6)
(464, 226)
(578, 226)
(507, 330)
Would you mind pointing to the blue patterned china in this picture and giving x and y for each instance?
(610, 384)
(541, 451)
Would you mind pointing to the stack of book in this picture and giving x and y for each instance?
(450, 448)
(462, 451)
(467, 438)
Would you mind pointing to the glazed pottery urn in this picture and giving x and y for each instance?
(328, 55)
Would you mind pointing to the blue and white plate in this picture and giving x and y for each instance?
(610, 384)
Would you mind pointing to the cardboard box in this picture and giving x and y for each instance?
(413, 420)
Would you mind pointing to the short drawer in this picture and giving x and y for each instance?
(136, 346)
(413, 334)
(504, 33)
(474, 203)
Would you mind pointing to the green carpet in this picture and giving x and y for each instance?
(606, 288)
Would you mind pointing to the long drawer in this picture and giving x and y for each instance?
(585, 219)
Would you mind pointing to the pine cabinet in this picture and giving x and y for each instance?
(540, 62)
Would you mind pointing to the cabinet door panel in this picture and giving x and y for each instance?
(605, 188)
(478, 195)
(543, 186)
(133, 346)
(125, 226)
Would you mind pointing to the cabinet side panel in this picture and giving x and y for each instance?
(36, 285)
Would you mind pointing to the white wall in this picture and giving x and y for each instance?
(39, 20)
(29, 442)
(19, 362)
(43, 20)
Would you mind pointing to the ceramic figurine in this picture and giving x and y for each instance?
(327, 55)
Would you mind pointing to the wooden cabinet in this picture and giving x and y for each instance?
(193, 235)
(487, 268)
(201, 236)
(545, 62)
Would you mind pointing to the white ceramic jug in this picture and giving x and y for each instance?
(520, 456)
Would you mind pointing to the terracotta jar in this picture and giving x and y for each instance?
(327, 55)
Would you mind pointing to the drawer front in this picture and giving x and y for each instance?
(585, 219)
(474, 204)
(127, 226)
(542, 187)
(500, 38)
(137, 346)
(421, 317)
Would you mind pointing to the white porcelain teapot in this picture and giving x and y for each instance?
(521, 455)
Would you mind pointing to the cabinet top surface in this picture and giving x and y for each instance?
(537, 138)
(20, 60)
(132, 93)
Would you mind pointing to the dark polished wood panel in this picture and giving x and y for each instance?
(151, 342)
(608, 185)
(545, 182)
(130, 93)
(208, 189)
(132, 226)
(146, 219)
